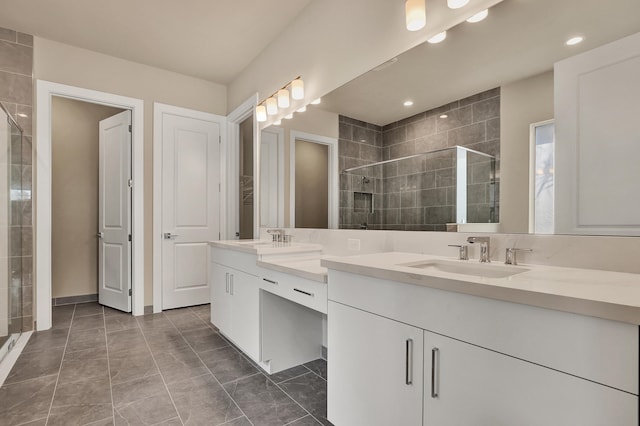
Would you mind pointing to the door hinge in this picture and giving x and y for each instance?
(129, 237)
(219, 139)
(130, 183)
(130, 128)
(130, 293)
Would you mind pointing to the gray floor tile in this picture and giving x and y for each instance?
(290, 373)
(74, 369)
(36, 364)
(91, 391)
(242, 421)
(26, 401)
(227, 364)
(53, 338)
(319, 366)
(88, 339)
(86, 309)
(91, 322)
(201, 400)
(164, 338)
(130, 340)
(149, 411)
(310, 391)
(82, 414)
(305, 421)
(99, 352)
(179, 364)
(110, 311)
(154, 321)
(126, 366)
(204, 339)
(185, 320)
(120, 322)
(136, 390)
(39, 422)
(263, 402)
(171, 422)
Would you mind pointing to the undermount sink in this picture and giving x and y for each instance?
(464, 268)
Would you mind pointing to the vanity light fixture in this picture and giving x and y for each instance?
(261, 113)
(316, 101)
(289, 116)
(283, 98)
(272, 106)
(478, 16)
(574, 40)
(438, 38)
(457, 4)
(415, 14)
(408, 103)
(444, 116)
(297, 89)
(303, 109)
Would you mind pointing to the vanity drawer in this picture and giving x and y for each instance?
(311, 294)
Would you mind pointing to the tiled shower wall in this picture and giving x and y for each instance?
(419, 194)
(16, 93)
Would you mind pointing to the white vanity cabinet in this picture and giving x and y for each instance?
(375, 373)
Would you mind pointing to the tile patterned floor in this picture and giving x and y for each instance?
(98, 366)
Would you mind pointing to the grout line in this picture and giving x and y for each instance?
(212, 375)
(64, 351)
(314, 372)
(232, 420)
(106, 343)
(300, 418)
(159, 371)
(294, 377)
(294, 400)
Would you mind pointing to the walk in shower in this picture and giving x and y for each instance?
(422, 192)
(11, 196)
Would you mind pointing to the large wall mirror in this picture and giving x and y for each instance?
(454, 135)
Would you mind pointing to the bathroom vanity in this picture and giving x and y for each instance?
(424, 340)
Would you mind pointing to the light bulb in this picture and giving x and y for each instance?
(272, 106)
(303, 109)
(261, 113)
(316, 101)
(478, 16)
(297, 89)
(407, 103)
(283, 98)
(438, 38)
(416, 15)
(574, 40)
(457, 4)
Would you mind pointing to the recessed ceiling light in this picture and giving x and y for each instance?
(22, 115)
(574, 40)
(457, 4)
(303, 109)
(316, 101)
(289, 116)
(408, 103)
(478, 16)
(438, 38)
(444, 116)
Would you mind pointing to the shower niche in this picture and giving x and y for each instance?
(422, 192)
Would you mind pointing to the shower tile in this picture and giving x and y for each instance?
(363, 135)
(455, 118)
(439, 215)
(345, 131)
(394, 136)
(411, 216)
(370, 153)
(408, 199)
(26, 39)
(7, 34)
(348, 148)
(433, 197)
(467, 135)
(432, 142)
(16, 88)
(402, 149)
(480, 96)
(421, 128)
(444, 108)
(16, 58)
(487, 109)
(493, 128)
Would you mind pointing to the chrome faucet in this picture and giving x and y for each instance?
(463, 252)
(278, 234)
(485, 247)
(510, 257)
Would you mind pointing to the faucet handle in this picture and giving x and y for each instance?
(463, 252)
(510, 257)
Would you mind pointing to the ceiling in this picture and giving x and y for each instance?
(520, 38)
(209, 39)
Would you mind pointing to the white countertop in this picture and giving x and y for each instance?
(602, 294)
(264, 247)
(305, 267)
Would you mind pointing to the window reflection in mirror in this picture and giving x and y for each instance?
(542, 170)
(246, 179)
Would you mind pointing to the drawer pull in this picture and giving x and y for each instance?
(231, 284)
(270, 281)
(408, 377)
(303, 292)
(226, 282)
(435, 367)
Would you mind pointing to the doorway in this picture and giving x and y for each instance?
(91, 203)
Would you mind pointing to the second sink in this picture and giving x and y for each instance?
(458, 267)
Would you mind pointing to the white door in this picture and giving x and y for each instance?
(190, 207)
(114, 212)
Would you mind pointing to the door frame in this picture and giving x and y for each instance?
(333, 184)
(159, 110)
(232, 155)
(45, 90)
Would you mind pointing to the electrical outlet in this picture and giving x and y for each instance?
(353, 244)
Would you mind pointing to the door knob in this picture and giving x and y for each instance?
(169, 236)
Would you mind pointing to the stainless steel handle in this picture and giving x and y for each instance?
(100, 235)
(169, 236)
(435, 376)
(408, 379)
(463, 251)
(270, 281)
(226, 282)
(231, 284)
(303, 292)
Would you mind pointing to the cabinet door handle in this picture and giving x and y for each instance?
(408, 379)
(435, 376)
(226, 282)
(303, 292)
(270, 281)
(231, 284)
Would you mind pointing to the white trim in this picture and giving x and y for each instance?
(333, 175)
(232, 156)
(159, 110)
(279, 132)
(10, 359)
(532, 171)
(45, 90)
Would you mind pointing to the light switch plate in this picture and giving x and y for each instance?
(353, 244)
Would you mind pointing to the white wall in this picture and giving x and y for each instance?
(73, 66)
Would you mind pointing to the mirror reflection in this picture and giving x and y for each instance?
(487, 90)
